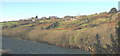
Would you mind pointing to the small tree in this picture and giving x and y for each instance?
(98, 46)
(113, 10)
(114, 44)
(118, 35)
(118, 15)
(36, 17)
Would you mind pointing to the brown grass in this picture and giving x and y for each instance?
(69, 38)
(15, 32)
(5, 51)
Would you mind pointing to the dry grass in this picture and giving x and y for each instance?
(50, 36)
(15, 32)
(69, 38)
(37, 34)
(5, 51)
(103, 31)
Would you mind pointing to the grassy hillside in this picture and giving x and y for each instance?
(82, 33)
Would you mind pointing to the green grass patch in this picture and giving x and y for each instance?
(8, 23)
(41, 21)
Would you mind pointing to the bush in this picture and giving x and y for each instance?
(113, 10)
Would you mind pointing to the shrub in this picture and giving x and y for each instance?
(113, 10)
